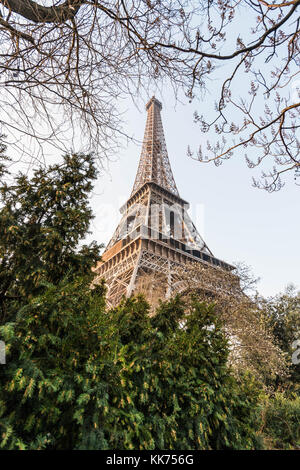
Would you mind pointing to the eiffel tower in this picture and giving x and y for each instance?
(155, 235)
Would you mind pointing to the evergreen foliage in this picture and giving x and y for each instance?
(42, 220)
(80, 376)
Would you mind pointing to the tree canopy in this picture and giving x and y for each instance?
(65, 64)
(283, 314)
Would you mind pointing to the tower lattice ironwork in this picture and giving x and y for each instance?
(155, 234)
(154, 162)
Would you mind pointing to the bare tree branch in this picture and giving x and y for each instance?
(37, 13)
(65, 66)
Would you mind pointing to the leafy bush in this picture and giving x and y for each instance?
(280, 421)
(80, 377)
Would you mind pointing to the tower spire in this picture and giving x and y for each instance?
(154, 165)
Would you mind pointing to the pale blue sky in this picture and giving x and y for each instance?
(237, 221)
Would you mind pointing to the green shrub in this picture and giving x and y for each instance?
(280, 422)
(81, 377)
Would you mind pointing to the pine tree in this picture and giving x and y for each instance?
(80, 376)
(42, 220)
(48, 318)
